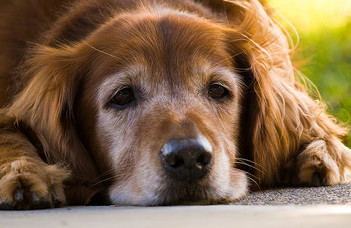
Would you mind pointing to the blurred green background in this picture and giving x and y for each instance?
(324, 50)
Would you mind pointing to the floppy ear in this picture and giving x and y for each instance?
(263, 62)
(278, 116)
(46, 105)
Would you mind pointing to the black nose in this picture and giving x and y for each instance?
(187, 159)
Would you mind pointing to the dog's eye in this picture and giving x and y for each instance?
(123, 97)
(218, 92)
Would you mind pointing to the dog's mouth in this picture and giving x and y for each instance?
(191, 194)
(169, 191)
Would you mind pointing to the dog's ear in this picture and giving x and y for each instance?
(261, 58)
(46, 105)
(279, 118)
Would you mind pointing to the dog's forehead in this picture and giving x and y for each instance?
(173, 42)
(198, 72)
(172, 51)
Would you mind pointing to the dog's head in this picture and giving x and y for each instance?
(161, 99)
(165, 110)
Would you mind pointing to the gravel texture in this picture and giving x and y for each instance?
(328, 195)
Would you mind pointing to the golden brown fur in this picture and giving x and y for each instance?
(61, 140)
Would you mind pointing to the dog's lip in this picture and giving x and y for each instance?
(190, 194)
(199, 200)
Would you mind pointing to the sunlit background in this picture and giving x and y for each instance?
(324, 50)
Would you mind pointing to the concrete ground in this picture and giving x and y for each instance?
(328, 195)
(291, 207)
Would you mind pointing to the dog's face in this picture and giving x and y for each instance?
(161, 105)
(159, 110)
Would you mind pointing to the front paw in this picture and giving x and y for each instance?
(317, 166)
(29, 184)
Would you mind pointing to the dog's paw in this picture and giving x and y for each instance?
(317, 167)
(26, 184)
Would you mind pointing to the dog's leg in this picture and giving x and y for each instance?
(26, 181)
(324, 163)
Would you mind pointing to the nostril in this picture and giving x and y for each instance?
(204, 159)
(174, 161)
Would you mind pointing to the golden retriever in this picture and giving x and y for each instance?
(154, 102)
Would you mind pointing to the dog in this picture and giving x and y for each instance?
(155, 102)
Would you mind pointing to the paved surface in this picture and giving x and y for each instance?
(329, 195)
(184, 217)
(303, 207)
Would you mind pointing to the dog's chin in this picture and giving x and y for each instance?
(173, 197)
(177, 193)
(197, 197)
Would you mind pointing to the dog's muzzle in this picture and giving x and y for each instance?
(187, 160)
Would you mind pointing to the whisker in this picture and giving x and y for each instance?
(250, 161)
(230, 57)
(98, 50)
(251, 166)
(255, 182)
(254, 163)
(103, 180)
(211, 50)
(251, 177)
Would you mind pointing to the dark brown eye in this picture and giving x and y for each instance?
(218, 92)
(122, 98)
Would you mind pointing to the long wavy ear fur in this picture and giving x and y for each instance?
(46, 105)
(279, 117)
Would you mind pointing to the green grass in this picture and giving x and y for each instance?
(329, 67)
(324, 27)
